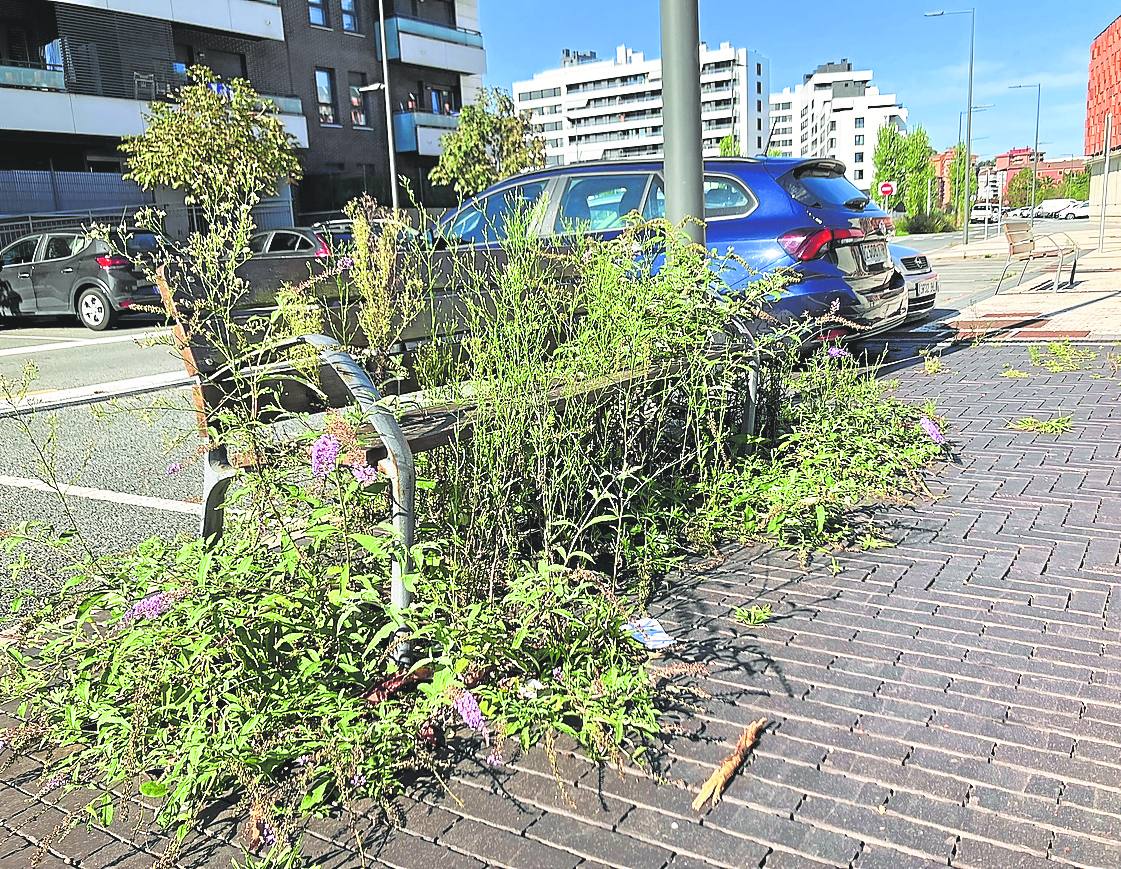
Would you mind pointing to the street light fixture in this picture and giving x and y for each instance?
(972, 13)
(972, 139)
(1035, 153)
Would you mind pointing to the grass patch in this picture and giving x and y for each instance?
(1058, 357)
(753, 616)
(1014, 373)
(932, 365)
(1056, 425)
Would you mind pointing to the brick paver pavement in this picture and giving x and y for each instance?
(955, 700)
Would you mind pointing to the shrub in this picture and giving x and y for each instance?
(918, 224)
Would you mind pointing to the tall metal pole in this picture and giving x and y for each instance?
(969, 121)
(388, 109)
(681, 115)
(1035, 153)
(1105, 179)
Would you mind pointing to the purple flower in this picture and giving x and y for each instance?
(3, 743)
(931, 428)
(468, 708)
(364, 474)
(358, 780)
(303, 760)
(174, 468)
(558, 673)
(52, 784)
(325, 455)
(494, 760)
(151, 607)
(346, 264)
(838, 353)
(266, 832)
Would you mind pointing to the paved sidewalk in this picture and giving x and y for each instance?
(955, 700)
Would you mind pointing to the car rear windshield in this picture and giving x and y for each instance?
(822, 185)
(137, 242)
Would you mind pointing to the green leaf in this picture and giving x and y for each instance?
(153, 789)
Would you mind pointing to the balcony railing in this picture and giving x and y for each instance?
(420, 132)
(426, 43)
(45, 78)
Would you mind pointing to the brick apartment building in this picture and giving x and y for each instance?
(1103, 98)
(76, 76)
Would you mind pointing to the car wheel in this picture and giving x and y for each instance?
(94, 310)
(1068, 217)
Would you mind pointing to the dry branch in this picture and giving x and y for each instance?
(723, 774)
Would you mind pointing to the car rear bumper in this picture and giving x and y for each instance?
(919, 304)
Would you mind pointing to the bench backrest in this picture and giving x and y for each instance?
(1021, 240)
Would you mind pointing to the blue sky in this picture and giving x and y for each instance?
(923, 60)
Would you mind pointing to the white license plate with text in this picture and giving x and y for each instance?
(875, 253)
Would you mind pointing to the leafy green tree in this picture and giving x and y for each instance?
(905, 159)
(958, 179)
(774, 152)
(730, 146)
(1019, 189)
(1075, 185)
(493, 141)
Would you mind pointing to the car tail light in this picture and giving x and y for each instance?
(322, 251)
(111, 261)
(808, 244)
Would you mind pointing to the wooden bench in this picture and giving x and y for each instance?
(1024, 246)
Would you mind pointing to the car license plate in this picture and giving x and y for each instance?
(875, 253)
(926, 288)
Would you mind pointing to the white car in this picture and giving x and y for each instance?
(920, 278)
(1052, 207)
(1077, 211)
(983, 212)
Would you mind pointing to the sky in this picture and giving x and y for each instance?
(922, 60)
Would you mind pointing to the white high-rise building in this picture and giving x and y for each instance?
(835, 112)
(593, 109)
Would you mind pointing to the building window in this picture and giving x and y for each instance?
(859, 123)
(758, 69)
(317, 13)
(759, 123)
(832, 126)
(350, 16)
(758, 87)
(860, 141)
(858, 157)
(859, 175)
(359, 116)
(758, 105)
(325, 96)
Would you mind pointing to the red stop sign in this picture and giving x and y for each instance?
(887, 188)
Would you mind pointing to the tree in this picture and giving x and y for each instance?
(958, 176)
(493, 141)
(905, 159)
(1075, 185)
(1019, 189)
(774, 152)
(730, 146)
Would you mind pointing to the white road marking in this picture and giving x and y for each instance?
(94, 393)
(88, 342)
(126, 498)
(18, 336)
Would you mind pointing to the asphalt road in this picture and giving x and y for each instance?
(116, 447)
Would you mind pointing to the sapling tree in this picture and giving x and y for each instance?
(493, 141)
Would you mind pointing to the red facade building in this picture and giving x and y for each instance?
(1103, 95)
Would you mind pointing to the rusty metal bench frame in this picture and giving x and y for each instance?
(1022, 246)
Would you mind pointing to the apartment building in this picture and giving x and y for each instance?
(436, 62)
(77, 75)
(835, 112)
(594, 109)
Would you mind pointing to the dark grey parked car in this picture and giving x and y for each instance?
(66, 272)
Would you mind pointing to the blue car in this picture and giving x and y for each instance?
(798, 215)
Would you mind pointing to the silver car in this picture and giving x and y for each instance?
(921, 280)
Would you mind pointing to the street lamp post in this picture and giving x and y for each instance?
(972, 13)
(681, 96)
(384, 85)
(968, 159)
(1035, 153)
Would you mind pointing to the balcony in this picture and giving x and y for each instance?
(258, 18)
(36, 100)
(438, 46)
(421, 132)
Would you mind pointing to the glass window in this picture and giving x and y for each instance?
(19, 253)
(724, 197)
(820, 185)
(289, 242)
(257, 242)
(325, 96)
(859, 123)
(859, 140)
(858, 157)
(63, 246)
(859, 174)
(484, 221)
(600, 202)
(359, 116)
(350, 16)
(317, 13)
